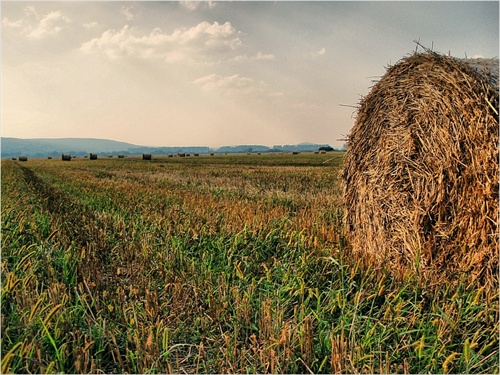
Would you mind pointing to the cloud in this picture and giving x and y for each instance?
(200, 43)
(11, 24)
(50, 24)
(303, 106)
(31, 11)
(127, 12)
(90, 25)
(261, 56)
(214, 81)
(194, 5)
(237, 86)
(319, 53)
(37, 26)
(258, 56)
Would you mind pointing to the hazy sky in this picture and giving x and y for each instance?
(214, 73)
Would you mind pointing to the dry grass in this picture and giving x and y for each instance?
(420, 178)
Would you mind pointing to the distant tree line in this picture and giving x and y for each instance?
(17, 147)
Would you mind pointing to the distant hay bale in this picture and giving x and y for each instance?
(121, 156)
(420, 175)
(49, 157)
(181, 154)
(66, 157)
(14, 158)
(93, 156)
(23, 158)
(146, 156)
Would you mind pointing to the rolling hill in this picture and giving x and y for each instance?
(43, 147)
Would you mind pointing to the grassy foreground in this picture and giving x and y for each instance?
(213, 264)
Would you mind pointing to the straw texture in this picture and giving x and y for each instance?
(420, 177)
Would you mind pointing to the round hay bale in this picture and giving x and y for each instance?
(23, 158)
(66, 157)
(93, 156)
(146, 156)
(420, 175)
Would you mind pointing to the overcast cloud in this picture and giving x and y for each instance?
(214, 73)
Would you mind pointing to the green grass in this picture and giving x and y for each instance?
(213, 264)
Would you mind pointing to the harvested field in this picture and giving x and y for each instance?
(214, 264)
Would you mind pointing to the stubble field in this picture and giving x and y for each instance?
(213, 264)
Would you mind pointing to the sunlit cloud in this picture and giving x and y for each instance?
(31, 11)
(50, 24)
(258, 56)
(37, 26)
(90, 25)
(261, 56)
(127, 13)
(199, 43)
(194, 5)
(214, 81)
(6, 23)
(236, 86)
(319, 53)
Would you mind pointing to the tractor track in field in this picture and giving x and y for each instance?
(60, 205)
(77, 227)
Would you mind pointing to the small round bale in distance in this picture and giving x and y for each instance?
(146, 156)
(420, 175)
